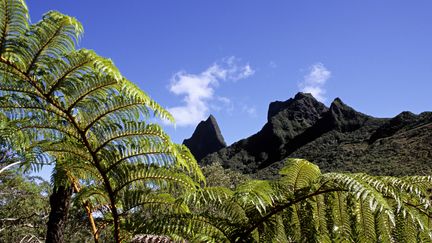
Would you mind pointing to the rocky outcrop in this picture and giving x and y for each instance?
(207, 138)
(394, 125)
(337, 138)
(339, 117)
(286, 120)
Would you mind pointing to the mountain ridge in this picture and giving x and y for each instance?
(337, 138)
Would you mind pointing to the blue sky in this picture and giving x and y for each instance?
(232, 58)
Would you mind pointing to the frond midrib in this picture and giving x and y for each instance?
(5, 28)
(73, 104)
(37, 54)
(112, 166)
(111, 110)
(82, 135)
(131, 134)
(57, 82)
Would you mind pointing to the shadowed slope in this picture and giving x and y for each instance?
(337, 138)
(206, 139)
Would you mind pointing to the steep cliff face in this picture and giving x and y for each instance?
(286, 120)
(207, 138)
(337, 138)
(381, 147)
(340, 118)
(395, 124)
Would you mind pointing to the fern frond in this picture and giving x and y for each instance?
(114, 109)
(320, 218)
(217, 202)
(186, 161)
(272, 230)
(342, 228)
(53, 36)
(258, 193)
(96, 196)
(63, 70)
(135, 92)
(189, 226)
(13, 23)
(107, 133)
(127, 176)
(145, 200)
(365, 222)
(299, 173)
(79, 113)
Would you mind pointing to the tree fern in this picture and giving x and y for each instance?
(308, 207)
(76, 110)
(80, 113)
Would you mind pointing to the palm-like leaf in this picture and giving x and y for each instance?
(308, 207)
(78, 111)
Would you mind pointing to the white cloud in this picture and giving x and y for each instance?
(220, 102)
(224, 100)
(199, 89)
(314, 81)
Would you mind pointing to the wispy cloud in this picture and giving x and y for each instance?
(314, 81)
(199, 89)
(250, 110)
(222, 103)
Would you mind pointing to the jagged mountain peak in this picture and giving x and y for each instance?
(393, 125)
(338, 138)
(211, 117)
(302, 102)
(301, 95)
(212, 120)
(338, 102)
(207, 138)
(286, 120)
(344, 117)
(339, 108)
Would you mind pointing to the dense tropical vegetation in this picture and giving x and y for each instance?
(76, 111)
(304, 205)
(117, 176)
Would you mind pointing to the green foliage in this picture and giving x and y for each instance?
(23, 207)
(77, 111)
(306, 206)
(216, 175)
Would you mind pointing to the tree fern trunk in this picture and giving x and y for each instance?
(60, 201)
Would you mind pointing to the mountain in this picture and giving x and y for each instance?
(337, 138)
(207, 138)
(286, 120)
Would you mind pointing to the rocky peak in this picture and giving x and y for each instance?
(339, 109)
(302, 102)
(338, 104)
(301, 95)
(206, 139)
(337, 138)
(344, 117)
(394, 125)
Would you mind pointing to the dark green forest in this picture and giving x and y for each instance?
(119, 178)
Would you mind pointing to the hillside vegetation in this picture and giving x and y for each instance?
(337, 138)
